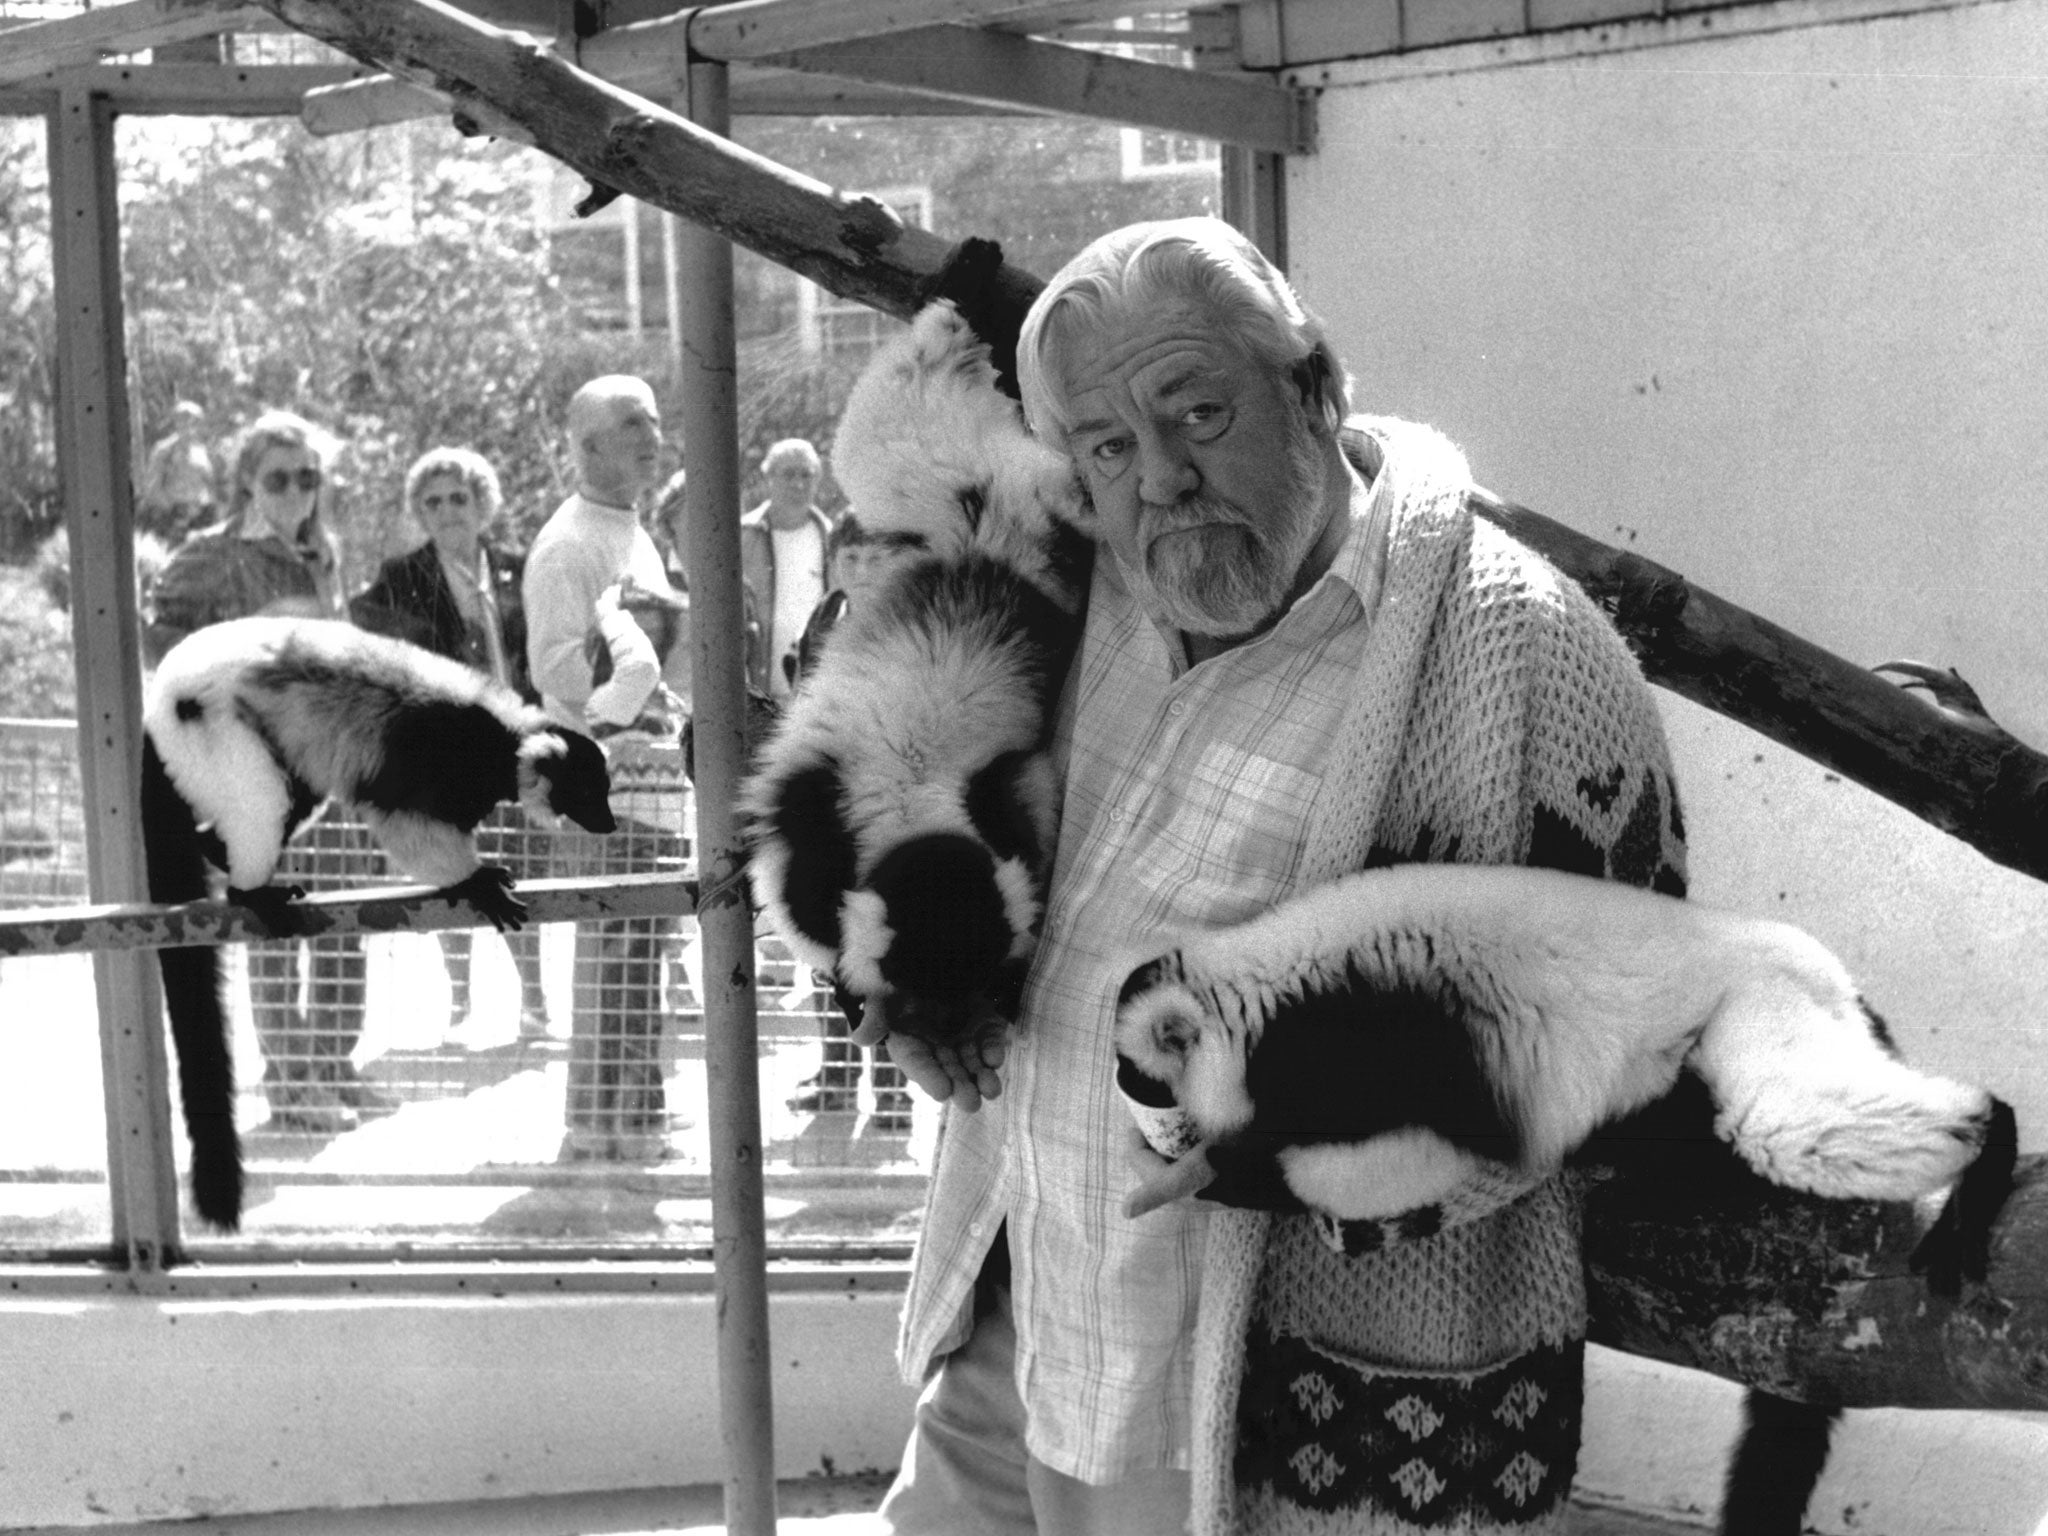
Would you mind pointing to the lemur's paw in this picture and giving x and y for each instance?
(489, 890)
(272, 905)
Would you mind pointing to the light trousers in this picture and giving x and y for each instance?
(966, 1471)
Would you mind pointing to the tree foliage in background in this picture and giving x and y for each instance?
(394, 287)
(28, 448)
(407, 288)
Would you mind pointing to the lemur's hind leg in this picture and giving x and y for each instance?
(1811, 1097)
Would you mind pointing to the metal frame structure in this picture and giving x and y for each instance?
(784, 56)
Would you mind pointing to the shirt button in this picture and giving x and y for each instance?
(1177, 708)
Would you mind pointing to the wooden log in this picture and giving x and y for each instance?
(506, 84)
(1966, 777)
(1816, 1299)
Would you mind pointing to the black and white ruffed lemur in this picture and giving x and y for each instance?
(902, 811)
(1363, 1049)
(250, 726)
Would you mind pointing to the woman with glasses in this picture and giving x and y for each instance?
(274, 554)
(458, 594)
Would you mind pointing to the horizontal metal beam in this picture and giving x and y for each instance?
(182, 90)
(980, 65)
(406, 909)
(380, 100)
(759, 29)
(40, 46)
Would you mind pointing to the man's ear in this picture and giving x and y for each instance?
(1321, 385)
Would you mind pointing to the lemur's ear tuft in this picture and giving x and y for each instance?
(991, 298)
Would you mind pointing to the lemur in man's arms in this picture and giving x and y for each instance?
(1361, 1049)
(902, 812)
(1375, 1042)
(250, 726)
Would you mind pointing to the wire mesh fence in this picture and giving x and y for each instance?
(531, 1089)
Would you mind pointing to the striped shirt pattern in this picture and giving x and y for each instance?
(1186, 801)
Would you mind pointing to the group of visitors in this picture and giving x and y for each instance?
(591, 624)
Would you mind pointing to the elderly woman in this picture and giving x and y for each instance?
(457, 594)
(275, 554)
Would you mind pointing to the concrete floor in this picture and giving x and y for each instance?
(805, 1507)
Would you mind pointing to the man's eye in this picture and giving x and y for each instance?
(1110, 451)
(1203, 423)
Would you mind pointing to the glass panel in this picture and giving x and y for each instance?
(53, 1129)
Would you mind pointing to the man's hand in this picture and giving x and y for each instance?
(964, 1071)
(1160, 1182)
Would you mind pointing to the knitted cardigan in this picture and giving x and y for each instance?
(1423, 1374)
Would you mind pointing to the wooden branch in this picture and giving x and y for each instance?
(1966, 776)
(408, 909)
(1814, 1299)
(507, 83)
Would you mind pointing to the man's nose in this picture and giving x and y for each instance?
(1166, 471)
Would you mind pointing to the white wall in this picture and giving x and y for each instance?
(121, 1408)
(1773, 311)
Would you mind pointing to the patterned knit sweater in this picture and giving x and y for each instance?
(1423, 1374)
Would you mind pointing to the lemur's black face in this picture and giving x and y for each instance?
(578, 783)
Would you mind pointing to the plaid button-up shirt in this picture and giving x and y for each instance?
(1186, 797)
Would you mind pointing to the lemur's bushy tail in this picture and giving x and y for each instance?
(171, 842)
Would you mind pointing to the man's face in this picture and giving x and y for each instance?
(621, 456)
(791, 485)
(1204, 470)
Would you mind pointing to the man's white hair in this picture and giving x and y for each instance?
(1203, 261)
(791, 450)
(592, 402)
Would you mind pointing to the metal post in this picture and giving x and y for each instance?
(629, 222)
(99, 514)
(710, 422)
(672, 290)
(1255, 198)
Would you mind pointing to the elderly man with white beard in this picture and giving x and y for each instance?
(1301, 657)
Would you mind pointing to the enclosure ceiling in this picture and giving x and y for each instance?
(1175, 71)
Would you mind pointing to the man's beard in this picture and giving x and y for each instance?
(1210, 569)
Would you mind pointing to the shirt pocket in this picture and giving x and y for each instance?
(1226, 834)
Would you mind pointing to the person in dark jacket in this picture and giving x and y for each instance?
(275, 554)
(457, 595)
